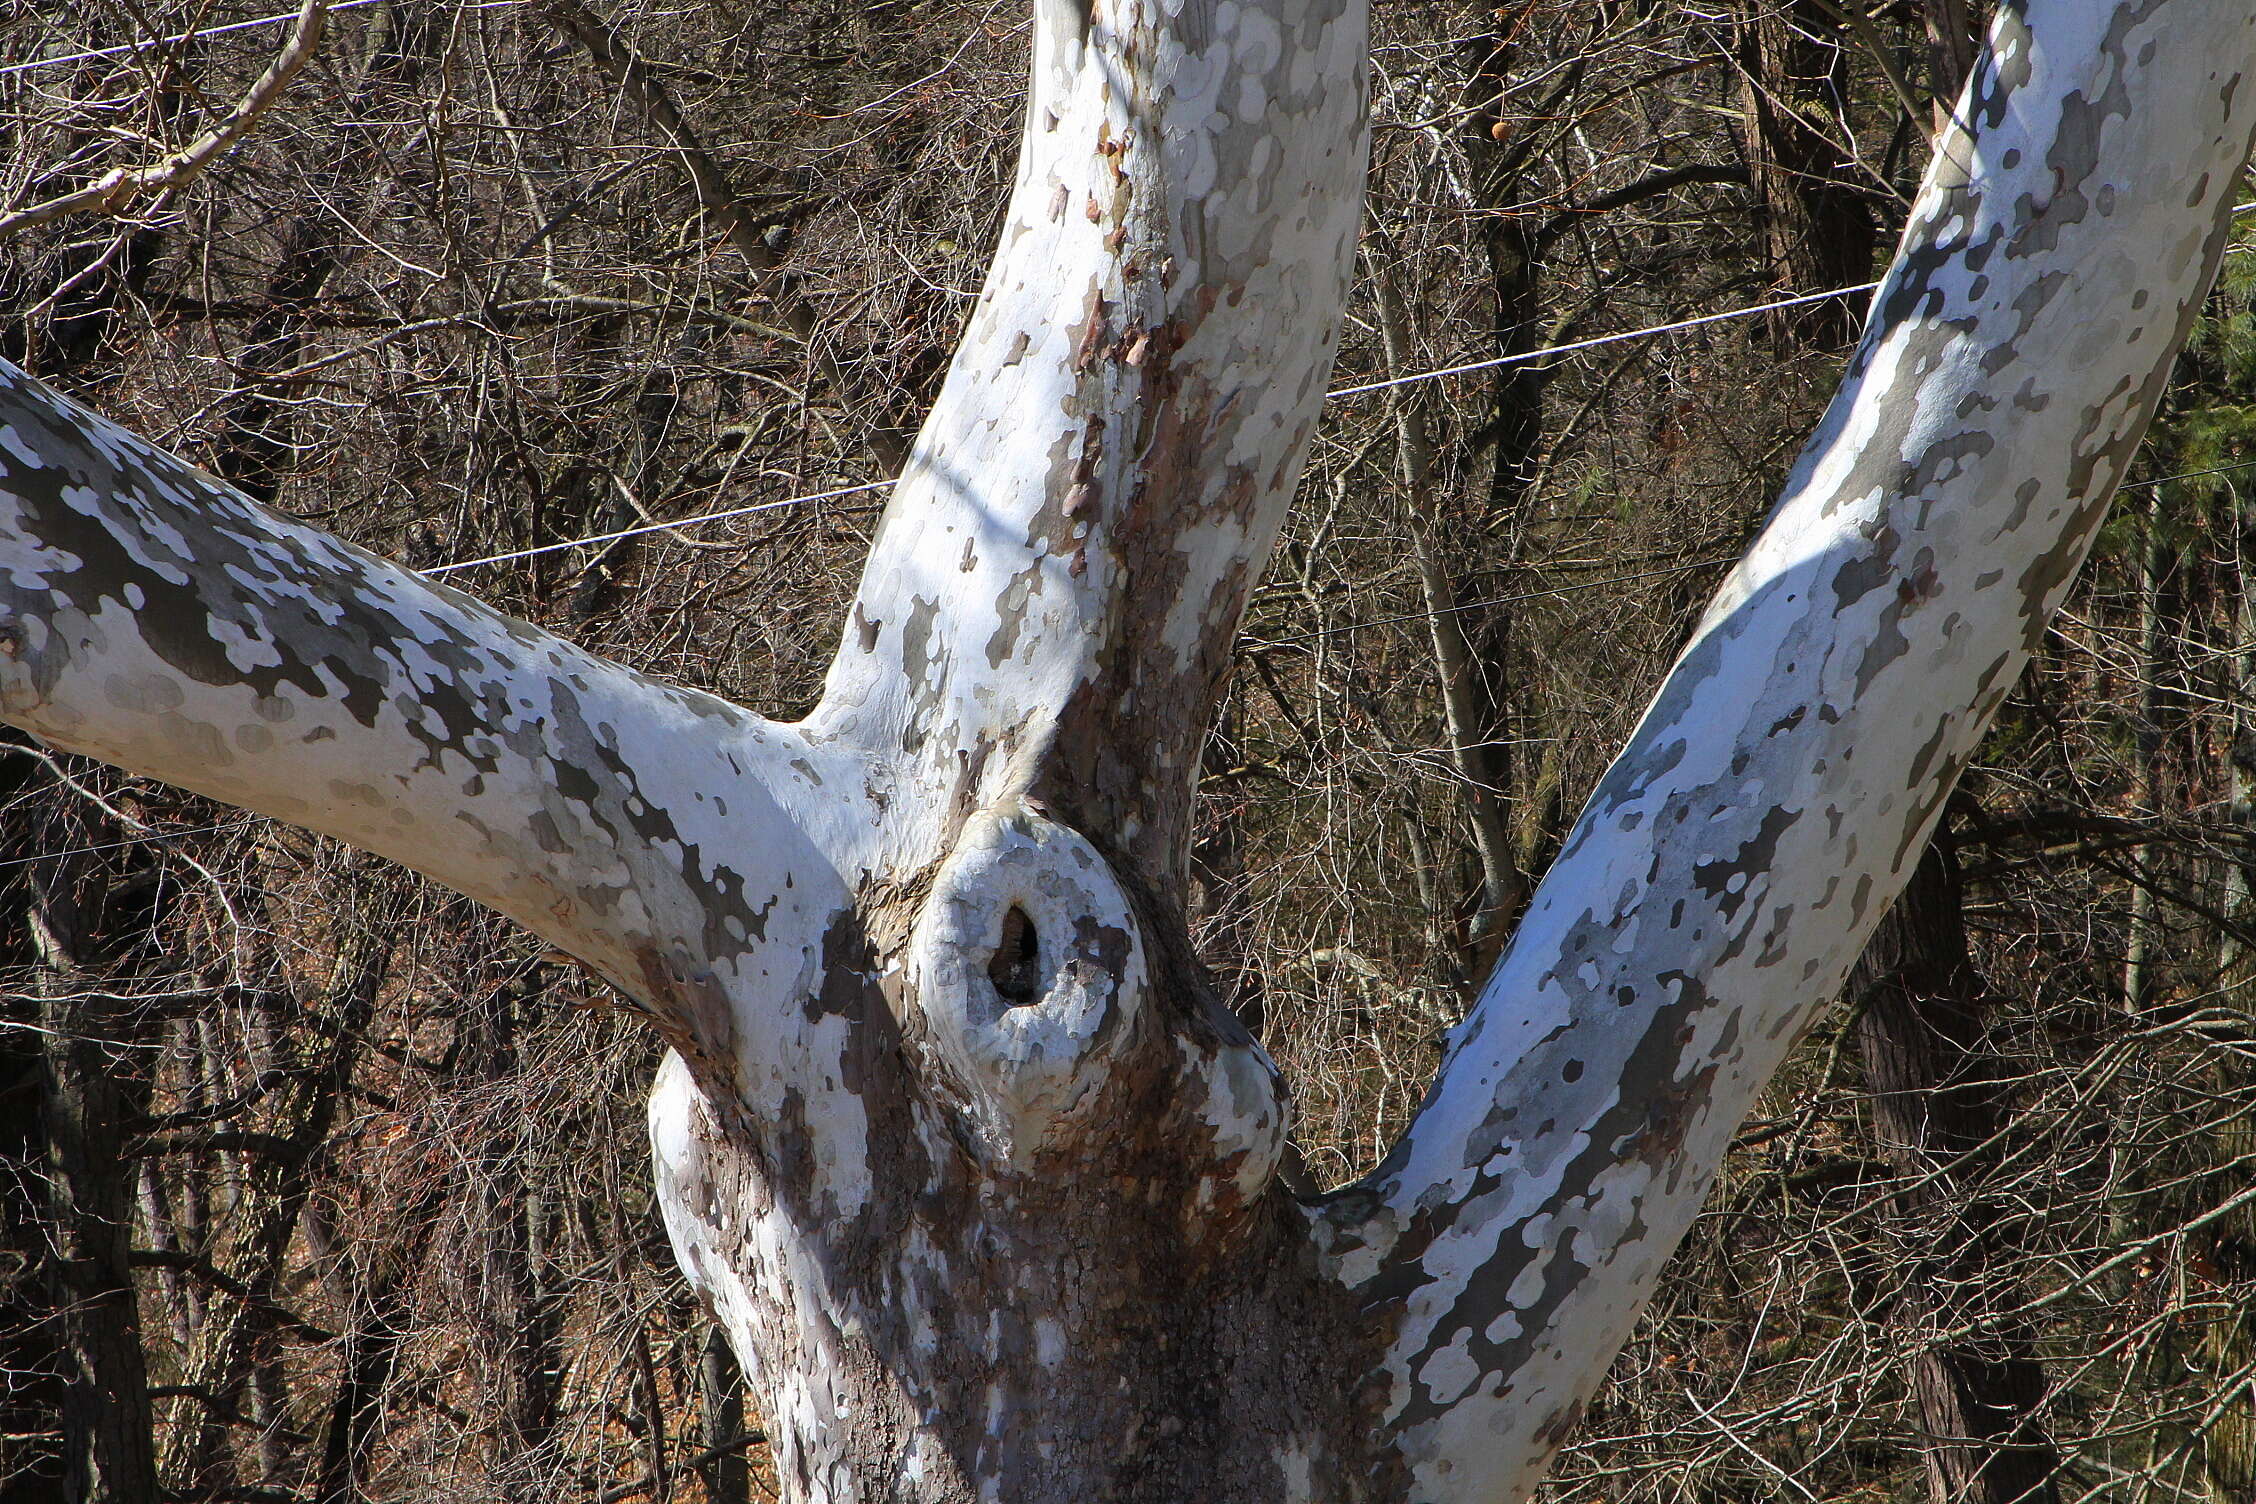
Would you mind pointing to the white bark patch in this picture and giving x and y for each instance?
(1023, 1061)
(1738, 854)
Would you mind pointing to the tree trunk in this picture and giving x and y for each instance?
(2228, 1456)
(274, 1181)
(94, 1090)
(381, 1309)
(1921, 1010)
(1469, 715)
(720, 1393)
(1817, 230)
(957, 1141)
(31, 1445)
(1921, 1026)
(2158, 609)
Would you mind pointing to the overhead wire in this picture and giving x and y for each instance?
(727, 513)
(1525, 356)
(158, 835)
(146, 43)
(1359, 389)
(1501, 600)
(657, 527)
(1647, 574)
(1346, 391)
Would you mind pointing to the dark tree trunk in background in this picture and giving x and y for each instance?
(512, 1222)
(1953, 39)
(94, 1088)
(1816, 229)
(728, 1476)
(2228, 1249)
(1937, 1100)
(275, 1178)
(31, 1465)
(383, 1306)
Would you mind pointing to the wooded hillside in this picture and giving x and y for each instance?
(622, 318)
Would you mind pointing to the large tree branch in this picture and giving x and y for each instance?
(158, 619)
(1050, 605)
(1733, 862)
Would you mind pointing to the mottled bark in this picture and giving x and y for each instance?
(957, 1141)
(1040, 635)
(1920, 1008)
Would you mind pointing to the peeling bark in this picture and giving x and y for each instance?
(957, 1142)
(1732, 863)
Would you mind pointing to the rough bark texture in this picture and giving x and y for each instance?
(957, 1143)
(92, 1096)
(1731, 864)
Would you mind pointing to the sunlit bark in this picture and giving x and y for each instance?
(958, 1144)
(1732, 863)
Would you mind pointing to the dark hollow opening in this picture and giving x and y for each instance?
(1016, 969)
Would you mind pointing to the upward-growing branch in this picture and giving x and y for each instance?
(1732, 863)
(977, 1175)
(1051, 603)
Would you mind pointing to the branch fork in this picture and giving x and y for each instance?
(956, 1141)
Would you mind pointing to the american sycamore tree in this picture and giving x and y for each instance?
(955, 1139)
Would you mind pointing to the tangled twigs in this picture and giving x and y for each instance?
(118, 187)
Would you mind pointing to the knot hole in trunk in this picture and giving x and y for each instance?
(1016, 967)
